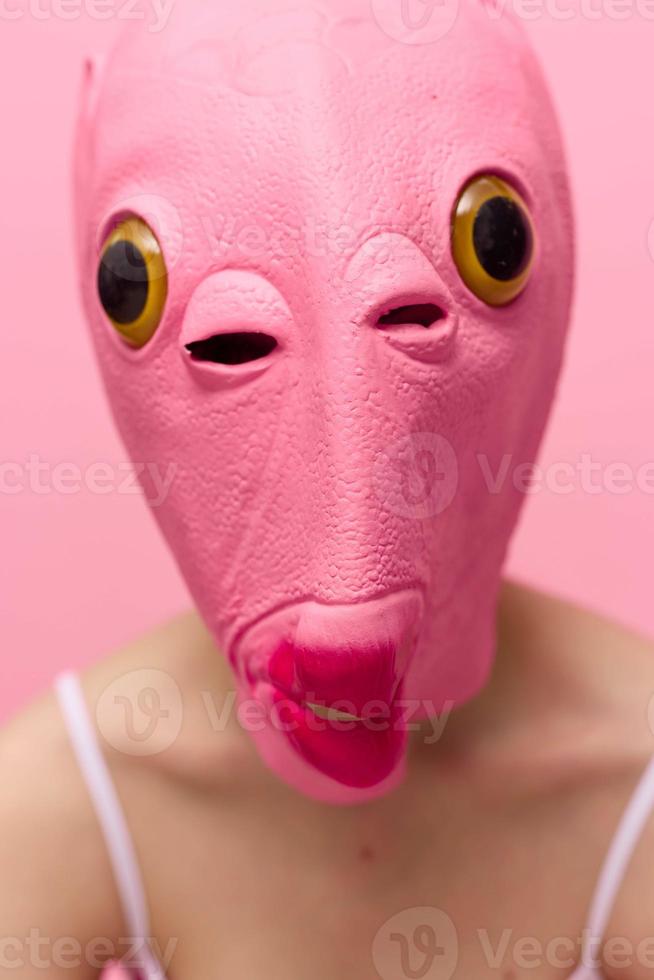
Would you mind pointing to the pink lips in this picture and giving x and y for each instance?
(330, 678)
(340, 709)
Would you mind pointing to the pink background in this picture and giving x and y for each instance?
(83, 572)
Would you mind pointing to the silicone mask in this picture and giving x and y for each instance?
(328, 273)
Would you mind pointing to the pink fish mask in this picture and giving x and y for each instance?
(328, 272)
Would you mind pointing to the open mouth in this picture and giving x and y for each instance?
(356, 750)
(328, 713)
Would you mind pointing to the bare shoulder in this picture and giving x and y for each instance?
(58, 905)
(600, 666)
(608, 670)
(584, 679)
(161, 712)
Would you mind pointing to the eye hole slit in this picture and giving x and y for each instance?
(421, 314)
(233, 348)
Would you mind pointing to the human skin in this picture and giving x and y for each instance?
(502, 823)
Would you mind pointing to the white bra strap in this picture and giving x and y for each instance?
(107, 806)
(624, 843)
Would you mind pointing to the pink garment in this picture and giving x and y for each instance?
(105, 800)
(341, 500)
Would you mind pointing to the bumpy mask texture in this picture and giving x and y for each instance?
(328, 274)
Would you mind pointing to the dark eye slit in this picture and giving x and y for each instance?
(423, 314)
(232, 348)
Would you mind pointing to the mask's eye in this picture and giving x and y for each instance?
(493, 240)
(132, 281)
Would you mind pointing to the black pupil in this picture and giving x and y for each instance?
(502, 238)
(123, 282)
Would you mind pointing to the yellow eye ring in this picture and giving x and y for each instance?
(132, 281)
(493, 240)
